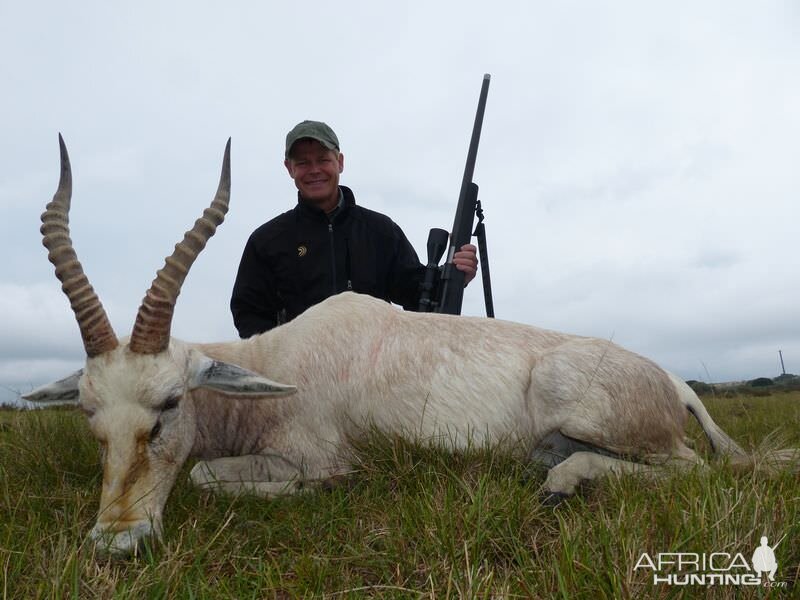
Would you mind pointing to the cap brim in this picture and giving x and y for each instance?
(324, 142)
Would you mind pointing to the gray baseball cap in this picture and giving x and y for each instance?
(315, 130)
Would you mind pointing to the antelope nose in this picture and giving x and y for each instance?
(121, 543)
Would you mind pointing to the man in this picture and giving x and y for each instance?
(325, 245)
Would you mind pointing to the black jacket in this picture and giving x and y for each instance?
(301, 257)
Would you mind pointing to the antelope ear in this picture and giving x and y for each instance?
(230, 379)
(63, 391)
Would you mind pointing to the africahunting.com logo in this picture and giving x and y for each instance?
(714, 568)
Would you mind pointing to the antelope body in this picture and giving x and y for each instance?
(583, 407)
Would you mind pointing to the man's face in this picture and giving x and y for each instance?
(315, 171)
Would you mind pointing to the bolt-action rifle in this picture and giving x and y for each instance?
(443, 287)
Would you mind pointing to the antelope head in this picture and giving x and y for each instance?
(136, 393)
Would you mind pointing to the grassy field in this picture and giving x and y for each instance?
(413, 523)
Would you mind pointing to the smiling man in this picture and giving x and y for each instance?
(325, 245)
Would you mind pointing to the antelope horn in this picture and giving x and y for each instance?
(96, 331)
(151, 330)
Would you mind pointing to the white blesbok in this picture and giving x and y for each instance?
(582, 407)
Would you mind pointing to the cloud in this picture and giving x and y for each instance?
(36, 322)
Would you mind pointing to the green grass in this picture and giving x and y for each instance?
(413, 522)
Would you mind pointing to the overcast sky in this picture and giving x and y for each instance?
(638, 165)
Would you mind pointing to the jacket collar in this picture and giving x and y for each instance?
(309, 210)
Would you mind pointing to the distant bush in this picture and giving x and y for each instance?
(700, 388)
(760, 386)
(787, 379)
(790, 386)
(786, 376)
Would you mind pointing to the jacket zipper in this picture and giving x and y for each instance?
(333, 258)
(347, 264)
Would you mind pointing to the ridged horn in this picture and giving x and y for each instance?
(96, 331)
(151, 330)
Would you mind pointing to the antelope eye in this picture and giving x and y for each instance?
(171, 403)
(155, 431)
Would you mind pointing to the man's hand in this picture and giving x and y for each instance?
(466, 260)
